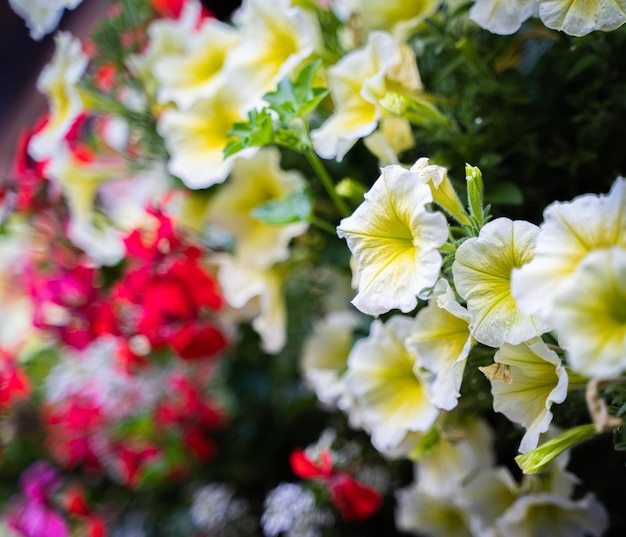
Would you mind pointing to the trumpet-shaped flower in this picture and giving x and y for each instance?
(482, 272)
(580, 17)
(42, 16)
(195, 138)
(261, 292)
(325, 356)
(197, 71)
(525, 381)
(442, 341)
(254, 182)
(394, 240)
(569, 232)
(357, 84)
(590, 314)
(386, 383)
(58, 81)
(276, 38)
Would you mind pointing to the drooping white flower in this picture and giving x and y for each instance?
(42, 16)
(357, 83)
(589, 314)
(482, 272)
(395, 241)
(195, 138)
(260, 291)
(442, 341)
(58, 82)
(580, 17)
(325, 356)
(386, 383)
(568, 233)
(276, 38)
(526, 380)
(503, 16)
(196, 72)
(253, 182)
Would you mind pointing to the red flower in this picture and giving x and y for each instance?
(14, 384)
(355, 501)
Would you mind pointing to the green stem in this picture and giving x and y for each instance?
(327, 182)
(322, 224)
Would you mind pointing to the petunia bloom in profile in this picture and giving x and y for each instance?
(482, 274)
(386, 383)
(590, 314)
(526, 380)
(568, 233)
(394, 239)
(42, 16)
(442, 342)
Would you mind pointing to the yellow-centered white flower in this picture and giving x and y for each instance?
(386, 383)
(357, 84)
(42, 16)
(442, 342)
(196, 72)
(394, 240)
(568, 233)
(526, 380)
(482, 275)
(195, 138)
(58, 82)
(580, 17)
(590, 314)
(253, 182)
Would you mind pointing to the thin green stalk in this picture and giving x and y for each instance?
(327, 182)
(322, 224)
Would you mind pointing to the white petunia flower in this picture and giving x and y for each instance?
(253, 182)
(482, 272)
(526, 380)
(325, 356)
(357, 84)
(58, 82)
(195, 139)
(503, 16)
(196, 72)
(276, 38)
(385, 381)
(395, 242)
(569, 232)
(580, 17)
(442, 341)
(589, 314)
(42, 16)
(551, 515)
(261, 290)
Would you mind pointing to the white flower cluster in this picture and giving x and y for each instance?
(291, 509)
(216, 510)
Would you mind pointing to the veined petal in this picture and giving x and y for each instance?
(394, 240)
(569, 232)
(534, 379)
(580, 17)
(482, 271)
(590, 314)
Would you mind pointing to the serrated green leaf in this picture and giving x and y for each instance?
(297, 207)
(257, 131)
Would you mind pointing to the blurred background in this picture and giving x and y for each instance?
(22, 59)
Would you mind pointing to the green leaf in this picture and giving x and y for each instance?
(297, 99)
(505, 193)
(257, 131)
(297, 207)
